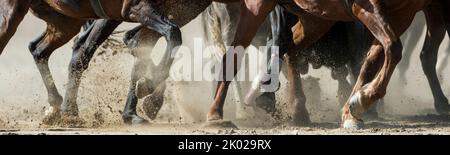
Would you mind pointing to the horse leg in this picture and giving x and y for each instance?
(371, 14)
(13, 12)
(435, 34)
(344, 87)
(308, 30)
(446, 60)
(281, 36)
(253, 14)
(141, 88)
(82, 54)
(153, 20)
(41, 48)
(297, 96)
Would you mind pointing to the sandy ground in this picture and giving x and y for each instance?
(23, 98)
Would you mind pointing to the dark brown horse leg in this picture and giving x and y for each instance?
(372, 16)
(55, 36)
(82, 54)
(253, 14)
(344, 87)
(445, 62)
(435, 34)
(12, 12)
(153, 20)
(141, 38)
(281, 24)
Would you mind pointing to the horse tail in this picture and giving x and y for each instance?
(212, 30)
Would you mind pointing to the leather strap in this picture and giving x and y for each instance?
(98, 9)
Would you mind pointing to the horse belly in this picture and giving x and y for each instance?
(396, 7)
(84, 11)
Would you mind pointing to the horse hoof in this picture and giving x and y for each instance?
(213, 116)
(152, 104)
(352, 124)
(442, 106)
(52, 116)
(144, 87)
(134, 120)
(71, 121)
(220, 124)
(69, 109)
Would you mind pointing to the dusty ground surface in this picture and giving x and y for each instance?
(423, 125)
(23, 98)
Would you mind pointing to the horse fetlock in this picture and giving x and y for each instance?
(396, 50)
(214, 114)
(442, 106)
(355, 105)
(69, 109)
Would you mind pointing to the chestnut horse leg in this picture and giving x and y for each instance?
(253, 14)
(54, 37)
(371, 14)
(435, 34)
(13, 12)
(82, 54)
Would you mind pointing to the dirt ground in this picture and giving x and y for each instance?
(23, 98)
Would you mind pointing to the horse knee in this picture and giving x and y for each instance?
(38, 51)
(395, 51)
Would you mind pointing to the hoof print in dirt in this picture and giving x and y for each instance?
(220, 124)
(152, 104)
